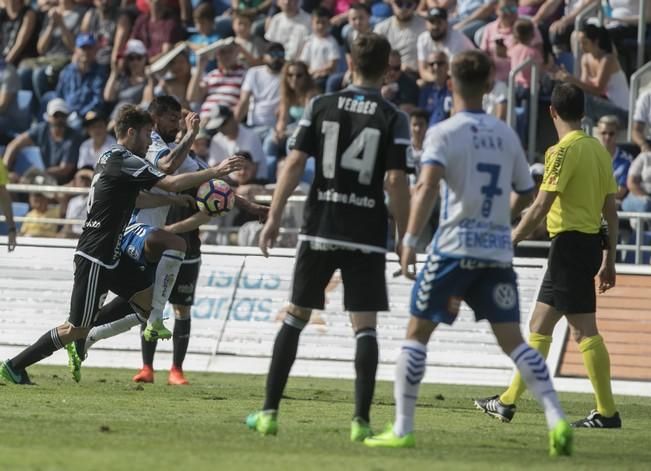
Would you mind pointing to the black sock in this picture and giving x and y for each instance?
(42, 348)
(148, 349)
(113, 311)
(366, 359)
(284, 354)
(180, 340)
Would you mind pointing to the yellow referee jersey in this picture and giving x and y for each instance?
(580, 170)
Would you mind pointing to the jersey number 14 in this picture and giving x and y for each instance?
(366, 143)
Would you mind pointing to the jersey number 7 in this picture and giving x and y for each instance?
(366, 143)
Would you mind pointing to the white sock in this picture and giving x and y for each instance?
(410, 369)
(535, 374)
(166, 272)
(112, 329)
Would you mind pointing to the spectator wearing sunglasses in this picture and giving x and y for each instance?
(439, 37)
(127, 81)
(399, 87)
(435, 96)
(402, 31)
(607, 129)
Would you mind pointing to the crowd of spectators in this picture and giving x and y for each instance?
(249, 67)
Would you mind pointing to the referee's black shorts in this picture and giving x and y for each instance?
(574, 261)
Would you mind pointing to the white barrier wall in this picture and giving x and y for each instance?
(239, 298)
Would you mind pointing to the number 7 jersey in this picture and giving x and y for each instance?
(355, 136)
(484, 162)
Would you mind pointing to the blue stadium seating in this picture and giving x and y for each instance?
(27, 158)
(19, 209)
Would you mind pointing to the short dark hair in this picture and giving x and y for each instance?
(204, 11)
(321, 12)
(523, 30)
(164, 104)
(370, 54)
(598, 34)
(471, 70)
(568, 101)
(130, 116)
(419, 113)
(361, 7)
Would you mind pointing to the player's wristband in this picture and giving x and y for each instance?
(409, 240)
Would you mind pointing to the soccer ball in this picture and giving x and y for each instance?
(215, 197)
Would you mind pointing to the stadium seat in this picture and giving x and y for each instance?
(19, 209)
(18, 117)
(27, 158)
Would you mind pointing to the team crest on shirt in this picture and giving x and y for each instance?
(505, 296)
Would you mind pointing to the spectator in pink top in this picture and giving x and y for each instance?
(522, 51)
(159, 30)
(497, 39)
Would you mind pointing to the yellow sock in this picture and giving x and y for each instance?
(597, 363)
(517, 387)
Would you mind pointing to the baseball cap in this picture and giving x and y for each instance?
(217, 118)
(436, 12)
(135, 46)
(92, 116)
(57, 105)
(85, 39)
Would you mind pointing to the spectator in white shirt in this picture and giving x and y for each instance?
(321, 51)
(99, 141)
(231, 137)
(402, 31)
(439, 37)
(260, 95)
(642, 121)
(290, 27)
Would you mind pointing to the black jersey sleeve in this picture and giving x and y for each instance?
(400, 141)
(140, 172)
(305, 136)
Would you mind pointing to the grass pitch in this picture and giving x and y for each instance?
(109, 423)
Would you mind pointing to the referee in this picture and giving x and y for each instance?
(578, 187)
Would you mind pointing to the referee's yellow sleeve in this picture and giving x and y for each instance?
(4, 175)
(558, 169)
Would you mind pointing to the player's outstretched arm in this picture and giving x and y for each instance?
(189, 224)
(422, 205)
(607, 274)
(287, 183)
(534, 215)
(171, 161)
(185, 181)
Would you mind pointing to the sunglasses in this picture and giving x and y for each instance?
(437, 63)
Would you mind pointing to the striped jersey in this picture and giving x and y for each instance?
(222, 88)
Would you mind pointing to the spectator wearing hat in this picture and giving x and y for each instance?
(57, 142)
(127, 81)
(231, 137)
(81, 83)
(399, 88)
(221, 86)
(158, 29)
(320, 51)
(435, 96)
(290, 27)
(439, 37)
(260, 95)
(99, 141)
(402, 31)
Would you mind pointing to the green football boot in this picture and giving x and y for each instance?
(74, 362)
(360, 429)
(264, 422)
(561, 439)
(388, 439)
(156, 331)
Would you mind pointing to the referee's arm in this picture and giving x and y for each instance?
(534, 215)
(607, 274)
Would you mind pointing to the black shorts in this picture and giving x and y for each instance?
(574, 261)
(91, 283)
(362, 274)
(130, 277)
(186, 284)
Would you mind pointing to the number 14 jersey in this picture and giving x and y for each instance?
(483, 161)
(355, 136)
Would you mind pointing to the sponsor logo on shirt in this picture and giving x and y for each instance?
(553, 165)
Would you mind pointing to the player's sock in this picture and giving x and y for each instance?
(166, 272)
(366, 359)
(180, 339)
(112, 329)
(148, 350)
(45, 346)
(517, 387)
(112, 311)
(284, 354)
(534, 371)
(410, 369)
(597, 363)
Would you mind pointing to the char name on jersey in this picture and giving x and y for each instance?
(357, 105)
